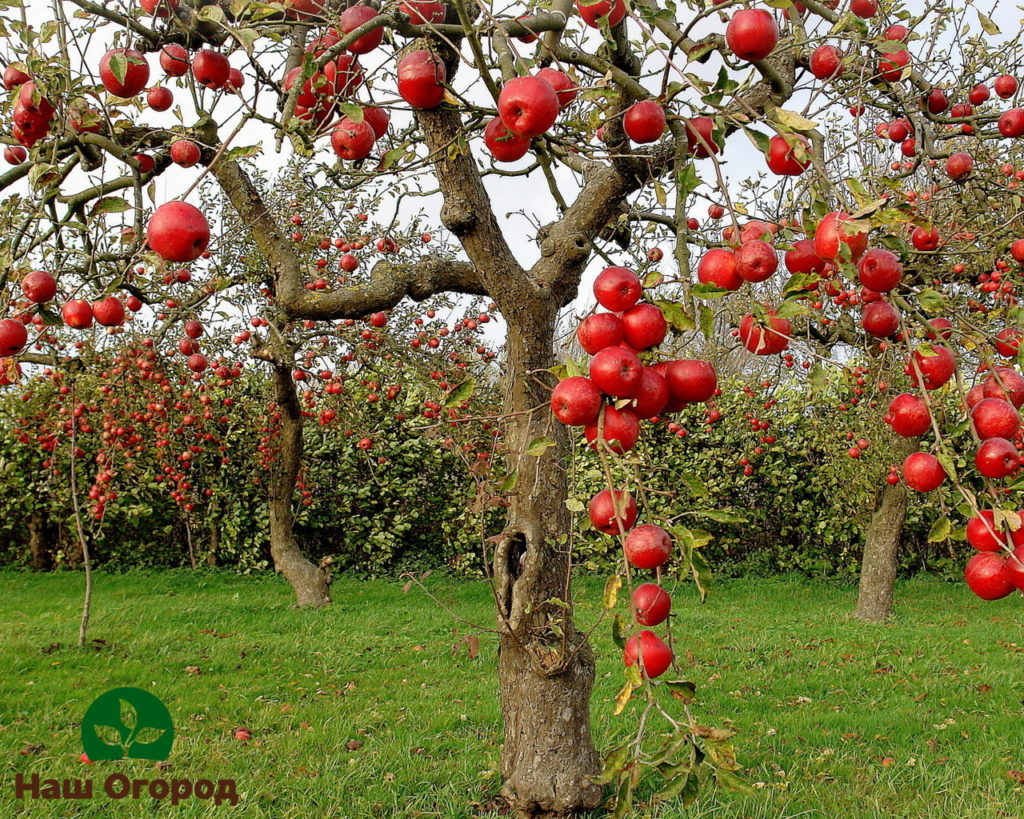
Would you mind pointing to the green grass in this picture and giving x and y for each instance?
(919, 718)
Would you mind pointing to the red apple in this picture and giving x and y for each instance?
(700, 138)
(602, 511)
(13, 337)
(77, 314)
(648, 546)
(891, 66)
(565, 89)
(503, 144)
(880, 319)
(420, 78)
(576, 401)
(997, 458)
(935, 369)
(802, 258)
(109, 312)
(987, 577)
(38, 286)
(836, 238)
(651, 604)
(15, 154)
(653, 655)
(211, 68)
(617, 289)
(351, 19)
(959, 166)
(922, 472)
(880, 270)
(178, 232)
(826, 62)
(644, 122)
(1004, 383)
(352, 140)
(1007, 342)
(908, 415)
(599, 331)
(652, 396)
(925, 239)
(865, 9)
(786, 159)
(124, 72)
(1005, 86)
(528, 106)
(718, 267)
(174, 60)
(644, 326)
(621, 430)
(690, 381)
(995, 418)
(765, 340)
(616, 371)
(185, 152)
(755, 260)
(423, 12)
(1011, 123)
(378, 119)
(159, 98)
(612, 10)
(752, 34)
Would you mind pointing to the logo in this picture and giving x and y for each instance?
(127, 723)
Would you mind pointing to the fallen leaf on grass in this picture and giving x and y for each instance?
(886, 761)
(353, 745)
(192, 669)
(32, 749)
(1016, 776)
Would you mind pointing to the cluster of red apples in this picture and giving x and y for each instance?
(622, 391)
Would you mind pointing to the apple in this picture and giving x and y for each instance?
(178, 232)
(762, 340)
(420, 78)
(39, 286)
(15, 154)
(644, 326)
(908, 415)
(1005, 86)
(784, 158)
(891, 67)
(185, 152)
(617, 289)
(752, 34)
(648, 546)
(599, 331)
(898, 130)
(124, 72)
(235, 81)
(1013, 566)
(941, 328)
(528, 106)
(755, 260)
(880, 270)
(211, 68)
(616, 371)
(378, 119)
(1011, 123)
(576, 401)
(959, 166)
(502, 143)
(602, 511)
(700, 139)
(174, 60)
(77, 314)
(1004, 383)
(109, 312)
(651, 604)
(13, 77)
(896, 33)
(652, 396)
(565, 89)
(197, 362)
(193, 329)
(835, 238)
(979, 94)
(826, 62)
(159, 98)
(13, 337)
(922, 472)
(644, 122)
(653, 655)
(352, 140)
(985, 536)
(935, 101)
(802, 258)
(718, 267)
(935, 370)
(621, 430)
(1007, 341)
(996, 458)
(423, 12)
(146, 163)
(865, 9)
(612, 10)
(987, 577)
(690, 381)
(351, 19)
(925, 239)
(995, 418)
(880, 319)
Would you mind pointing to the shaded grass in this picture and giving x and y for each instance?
(363, 711)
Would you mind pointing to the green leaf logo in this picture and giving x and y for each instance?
(127, 723)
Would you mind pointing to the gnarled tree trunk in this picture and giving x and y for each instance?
(881, 544)
(545, 674)
(38, 542)
(310, 583)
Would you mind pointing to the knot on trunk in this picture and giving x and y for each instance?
(459, 218)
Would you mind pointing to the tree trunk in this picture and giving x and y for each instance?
(545, 666)
(310, 583)
(38, 542)
(214, 545)
(881, 544)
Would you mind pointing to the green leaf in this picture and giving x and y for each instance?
(615, 760)
(211, 14)
(110, 204)
(800, 283)
(118, 65)
(708, 291)
(510, 481)
(947, 463)
(701, 573)
(694, 484)
(940, 530)
(611, 592)
(761, 141)
(247, 37)
(989, 27)
(352, 111)
(682, 690)
(721, 516)
(681, 786)
(539, 445)
(734, 782)
(241, 152)
(617, 636)
(794, 121)
(676, 316)
(931, 301)
(461, 393)
(707, 321)
(574, 505)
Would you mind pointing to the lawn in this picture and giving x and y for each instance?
(365, 710)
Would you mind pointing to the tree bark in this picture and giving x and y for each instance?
(881, 545)
(310, 583)
(38, 542)
(545, 666)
